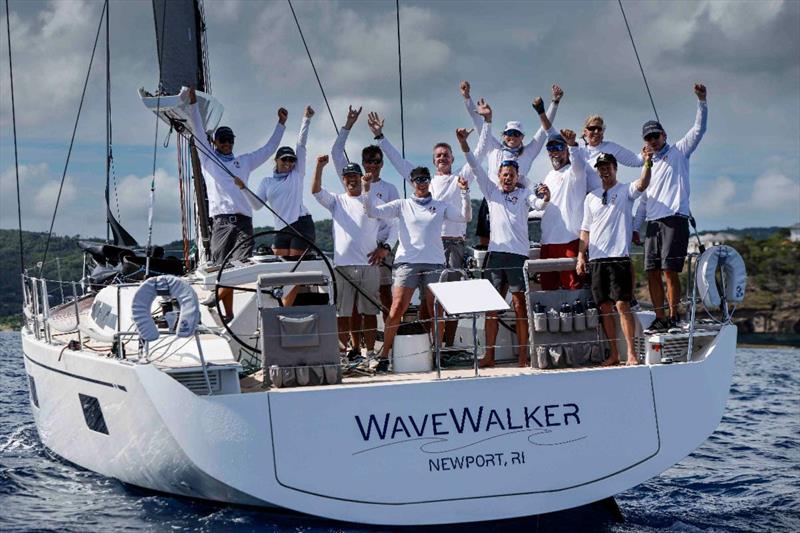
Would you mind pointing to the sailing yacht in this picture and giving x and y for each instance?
(133, 379)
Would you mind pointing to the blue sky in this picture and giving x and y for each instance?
(746, 171)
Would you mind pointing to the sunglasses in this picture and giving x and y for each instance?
(652, 136)
(555, 147)
(288, 159)
(605, 198)
(225, 140)
(373, 161)
(512, 133)
(594, 128)
(421, 180)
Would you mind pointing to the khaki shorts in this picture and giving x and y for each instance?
(386, 269)
(367, 278)
(416, 275)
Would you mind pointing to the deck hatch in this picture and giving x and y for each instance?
(93, 414)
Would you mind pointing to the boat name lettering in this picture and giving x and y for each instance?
(390, 426)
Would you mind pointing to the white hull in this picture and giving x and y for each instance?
(546, 440)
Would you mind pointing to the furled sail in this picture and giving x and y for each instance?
(179, 35)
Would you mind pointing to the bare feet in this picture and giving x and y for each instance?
(613, 360)
(632, 360)
(523, 361)
(486, 362)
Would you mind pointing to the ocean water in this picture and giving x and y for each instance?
(745, 477)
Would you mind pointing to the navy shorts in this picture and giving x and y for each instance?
(229, 232)
(289, 239)
(666, 243)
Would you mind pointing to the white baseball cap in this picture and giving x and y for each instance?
(514, 125)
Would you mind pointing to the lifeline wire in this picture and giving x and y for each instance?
(638, 60)
(319, 82)
(14, 126)
(72, 140)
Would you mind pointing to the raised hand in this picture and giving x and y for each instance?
(461, 135)
(558, 93)
(464, 89)
(192, 96)
(463, 184)
(700, 91)
(352, 117)
(322, 160)
(309, 112)
(538, 105)
(484, 110)
(283, 114)
(543, 192)
(366, 180)
(375, 123)
(647, 153)
(569, 136)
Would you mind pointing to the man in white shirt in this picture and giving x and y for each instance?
(445, 187)
(420, 254)
(568, 183)
(225, 174)
(665, 206)
(354, 239)
(509, 203)
(372, 161)
(605, 236)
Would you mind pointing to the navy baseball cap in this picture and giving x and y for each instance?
(509, 163)
(605, 158)
(651, 126)
(556, 138)
(352, 168)
(420, 174)
(285, 151)
(224, 133)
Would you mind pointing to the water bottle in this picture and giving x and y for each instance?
(539, 318)
(592, 317)
(579, 317)
(566, 317)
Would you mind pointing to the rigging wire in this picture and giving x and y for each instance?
(108, 120)
(16, 158)
(72, 140)
(641, 69)
(400, 72)
(319, 82)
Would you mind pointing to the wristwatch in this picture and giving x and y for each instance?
(385, 246)
(378, 137)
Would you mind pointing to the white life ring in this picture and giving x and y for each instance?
(189, 316)
(732, 268)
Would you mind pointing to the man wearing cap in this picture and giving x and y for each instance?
(444, 187)
(511, 147)
(354, 239)
(665, 206)
(568, 183)
(372, 161)
(509, 203)
(225, 175)
(605, 237)
(420, 254)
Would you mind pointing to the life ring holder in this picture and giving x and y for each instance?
(733, 274)
(188, 318)
(227, 258)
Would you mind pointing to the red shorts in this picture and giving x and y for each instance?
(568, 279)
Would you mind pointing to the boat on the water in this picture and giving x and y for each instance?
(131, 378)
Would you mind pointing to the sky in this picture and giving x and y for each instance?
(746, 171)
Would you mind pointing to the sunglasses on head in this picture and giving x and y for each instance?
(555, 147)
(373, 161)
(594, 128)
(652, 136)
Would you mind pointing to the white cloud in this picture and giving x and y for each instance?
(777, 192)
(715, 198)
(48, 194)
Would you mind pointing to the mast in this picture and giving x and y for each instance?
(180, 36)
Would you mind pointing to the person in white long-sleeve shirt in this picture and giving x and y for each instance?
(354, 237)
(444, 186)
(283, 192)
(372, 162)
(665, 206)
(420, 254)
(511, 147)
(594, 129)
(568, 182)
(225, 175)
(509, 203)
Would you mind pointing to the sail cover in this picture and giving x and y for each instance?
(179, 33)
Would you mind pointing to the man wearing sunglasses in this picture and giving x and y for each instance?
(568, 182)
(665, 206)
(444, 186)
(228, 207)
(511, 147)
(509, 203)
(421, 253)
(605, 236)
(372, 161)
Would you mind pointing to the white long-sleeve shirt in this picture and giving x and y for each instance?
(623, 155)
(492, 149)
(354, 232)
(444, 187)
(285, 195)
(561, 221)
(387, 230)
(420, 224)
(508, 212)
(668, 193)
(224, 197)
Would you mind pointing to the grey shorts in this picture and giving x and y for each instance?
(454, 252)
(413, 275)
(386, 269)
(367, 278)
(227, 232)
(665, 243)
(503, 268)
